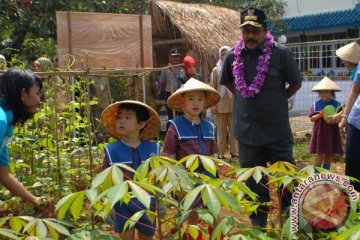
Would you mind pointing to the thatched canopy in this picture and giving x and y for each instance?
(204, 28)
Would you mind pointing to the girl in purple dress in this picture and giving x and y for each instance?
(325, 139)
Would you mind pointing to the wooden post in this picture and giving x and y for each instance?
(69, 32)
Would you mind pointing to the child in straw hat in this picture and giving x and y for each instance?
(325, 139)
(133, 123)
(190, 133)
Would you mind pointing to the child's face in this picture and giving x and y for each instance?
(194, 102)
(127, 123)
(192, 69)
(325, 95)
(31, 99)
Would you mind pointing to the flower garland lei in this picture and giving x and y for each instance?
(262, 67)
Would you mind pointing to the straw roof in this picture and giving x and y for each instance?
(205, 28)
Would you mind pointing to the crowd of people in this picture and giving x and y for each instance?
(249, 93)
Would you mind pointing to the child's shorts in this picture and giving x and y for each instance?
(125, 211)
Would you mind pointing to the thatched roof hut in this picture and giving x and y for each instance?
(199, 27)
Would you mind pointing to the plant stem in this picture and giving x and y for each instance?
(157, 212)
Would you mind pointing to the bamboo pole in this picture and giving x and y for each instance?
(102, 72)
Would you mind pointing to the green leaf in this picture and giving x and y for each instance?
(63, 205)
(17, 224)
(92, 195)
(192, 196)
(133, 219)
(206, 217)
(77, 205)
(143, 170)
(189, 160)
(257, 175)
(161, 175)
(140, 194)
(347, 234)
(116, 193)
(117, 175)
(52, 231)
(286, 180)
(3, 220)
(58, 227)
(208, 164)
(245, 175)
(8, 233)
(101, 177)
(193, 230)
(219, 226)
(227, 199)
(41, 229)
(172, 177)
(30, 227)
(212, 202)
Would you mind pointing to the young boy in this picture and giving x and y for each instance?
(133, 123)
(189, 133)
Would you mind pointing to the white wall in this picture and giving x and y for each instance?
(297, 8)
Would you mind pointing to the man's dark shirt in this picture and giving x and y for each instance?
(264, 118)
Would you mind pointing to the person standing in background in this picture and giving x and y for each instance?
(223, 110)
(169, 79)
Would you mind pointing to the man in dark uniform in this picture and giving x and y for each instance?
(257, 71)
(170, 79)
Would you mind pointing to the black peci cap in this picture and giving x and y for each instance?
(254, 17)
(174, 52)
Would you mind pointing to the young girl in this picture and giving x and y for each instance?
(133, 123)
(325, 139)
(19, 101)
(189, 133)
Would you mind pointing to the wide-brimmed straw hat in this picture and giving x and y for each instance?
(176, 103)
(326, 84)
(109, 118)
(349, 53)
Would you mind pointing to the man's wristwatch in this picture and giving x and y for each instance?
(344, 116)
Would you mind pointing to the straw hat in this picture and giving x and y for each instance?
(349, 53)
(326, 84)
(176, 103)
(109, 118)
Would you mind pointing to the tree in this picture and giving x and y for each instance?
(32, 19)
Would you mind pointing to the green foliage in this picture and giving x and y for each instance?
(30, 226)
(179, 185)
(85, 234)
(301, 150)
(118, 88)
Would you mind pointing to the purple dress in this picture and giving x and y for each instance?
(325, 138)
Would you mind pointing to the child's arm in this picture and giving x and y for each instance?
(313, 116)
(316, 117)
(14, 186)
(171, 143)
